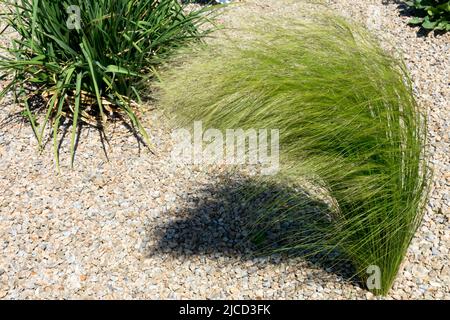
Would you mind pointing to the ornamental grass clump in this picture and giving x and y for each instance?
(88, 59)
(348, 123)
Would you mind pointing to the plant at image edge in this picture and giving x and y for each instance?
(432, 14)
(348, 123)
(97, 70)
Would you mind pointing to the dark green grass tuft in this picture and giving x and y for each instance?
(97, 70)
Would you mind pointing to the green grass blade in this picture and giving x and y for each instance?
(94, 81)
(75, 116)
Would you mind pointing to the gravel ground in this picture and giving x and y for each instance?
(126, 223)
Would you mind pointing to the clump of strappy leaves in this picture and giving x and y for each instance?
(87, 60)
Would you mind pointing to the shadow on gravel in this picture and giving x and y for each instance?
(219, 222)
(406, 11)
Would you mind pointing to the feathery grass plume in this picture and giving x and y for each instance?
(89, 59)
(348, 123)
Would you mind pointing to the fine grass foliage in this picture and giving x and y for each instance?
(348, 123)
(89, 59)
